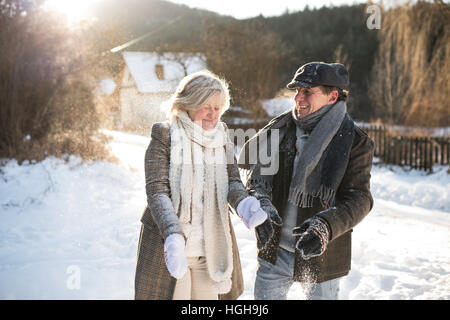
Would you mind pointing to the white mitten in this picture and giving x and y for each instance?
(174, 255)
(249, 209)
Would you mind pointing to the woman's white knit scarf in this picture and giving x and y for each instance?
(199, 183)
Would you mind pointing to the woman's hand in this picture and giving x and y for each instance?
(249, 209)
(174, 255)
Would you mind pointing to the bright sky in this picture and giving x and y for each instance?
(241, 9)
(75, 10)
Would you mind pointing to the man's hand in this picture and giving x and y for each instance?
(314, 235)
(264, 232)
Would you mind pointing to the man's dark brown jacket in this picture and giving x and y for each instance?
(352, 203)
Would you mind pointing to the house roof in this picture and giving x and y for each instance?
(142, 69)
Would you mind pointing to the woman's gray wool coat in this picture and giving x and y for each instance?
(152, 280)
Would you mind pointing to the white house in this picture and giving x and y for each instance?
(148, 79)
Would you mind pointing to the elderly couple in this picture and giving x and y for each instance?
(302, 214)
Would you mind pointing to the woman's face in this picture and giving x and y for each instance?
(208, 114)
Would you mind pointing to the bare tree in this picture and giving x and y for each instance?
(46, 100)
(409, 81)
(250, 58)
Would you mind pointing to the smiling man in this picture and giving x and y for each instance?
(320, 192)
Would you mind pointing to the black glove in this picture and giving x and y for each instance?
(314, 235)
(264, 232)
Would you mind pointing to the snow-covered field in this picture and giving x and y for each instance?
(70, 231)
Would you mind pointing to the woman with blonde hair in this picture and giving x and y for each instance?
(187, 247)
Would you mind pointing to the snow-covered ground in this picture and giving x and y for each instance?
(70, 231)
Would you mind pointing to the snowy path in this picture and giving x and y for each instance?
(70, 231)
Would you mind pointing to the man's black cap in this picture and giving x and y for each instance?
(315, 74)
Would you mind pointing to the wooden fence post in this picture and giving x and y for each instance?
(411, 152)
(417, 152)
(446, 144)
(430, 155)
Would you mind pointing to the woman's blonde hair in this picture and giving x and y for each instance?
(195, 89)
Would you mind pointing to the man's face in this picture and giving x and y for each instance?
(309, 100)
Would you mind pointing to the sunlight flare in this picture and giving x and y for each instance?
(75, 11)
